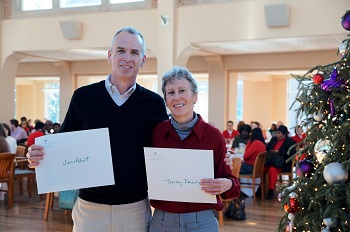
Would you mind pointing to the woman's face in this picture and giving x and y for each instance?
(180, 99)
(300, 131)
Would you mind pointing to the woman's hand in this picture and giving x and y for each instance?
(34, 155)
(216, 186)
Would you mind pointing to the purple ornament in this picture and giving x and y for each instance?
(332, 107)
(332, 82)
(345, 20)
(305, 168)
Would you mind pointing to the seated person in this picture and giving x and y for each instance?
(18, 132)
(230, 133)
(299, 134)
(255, 146)
(281, 144)
(39, 131)
(243, 137)
(298, 137)
(56, 127)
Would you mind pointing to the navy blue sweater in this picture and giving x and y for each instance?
(130, 130)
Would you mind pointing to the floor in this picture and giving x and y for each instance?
(27, 215)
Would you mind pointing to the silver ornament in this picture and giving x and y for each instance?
(334, 173)
(330, 222)
(322, 145)
(318, 116)
(342, 49)
(320, 156)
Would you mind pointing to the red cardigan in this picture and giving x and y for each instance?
(228, 135)
(203, 136)
(297, 139)
(252, 150)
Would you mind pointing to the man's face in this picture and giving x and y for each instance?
(280, 135)
(125, 56)
(229, 126)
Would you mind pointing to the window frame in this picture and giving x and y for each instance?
(105, 6)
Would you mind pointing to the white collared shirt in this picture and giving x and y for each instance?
(113, 91)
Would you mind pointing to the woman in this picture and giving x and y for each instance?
(279, 144)
(4, 146)
(187, 130)
(10, 140)
(255, 146)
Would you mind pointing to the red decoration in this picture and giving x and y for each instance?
(318, 79)
(293, 206)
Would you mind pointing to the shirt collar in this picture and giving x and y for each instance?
(198, 129)
(112, 89)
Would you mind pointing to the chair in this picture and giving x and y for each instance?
(258, 172)
(289, 174)
(7, 174)
(236, 167)
(50, 198)
(22, 170)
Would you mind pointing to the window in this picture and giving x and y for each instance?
(239, 110)
(52, 102)
(124, 1)
(34, 8)
(201, 107)
(79, 3)
(29, 5)
(291, 113)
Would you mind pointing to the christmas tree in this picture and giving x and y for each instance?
(318, 199)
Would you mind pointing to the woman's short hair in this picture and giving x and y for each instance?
(179, 73)
(245, 127)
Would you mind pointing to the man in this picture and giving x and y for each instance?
(230, 133)
(49, 127)
(125, 108)
(18, 132)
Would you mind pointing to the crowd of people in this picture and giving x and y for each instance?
(276, 139)
(24, 133)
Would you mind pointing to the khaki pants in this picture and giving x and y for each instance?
(88, 216)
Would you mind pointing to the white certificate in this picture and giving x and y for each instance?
(175, 174)
(74, 160)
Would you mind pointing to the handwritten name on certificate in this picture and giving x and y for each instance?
(74, 160)
(175, 174)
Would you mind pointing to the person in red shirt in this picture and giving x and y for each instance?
(298, 138)
(39, 131)
(230, 133)
(299, 134)
(187, 130)
(255, 146)
(279, 144)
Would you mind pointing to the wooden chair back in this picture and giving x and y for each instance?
(7, 167)
(21, 151)
(259, 165)
(236, 166)
(258, 172)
